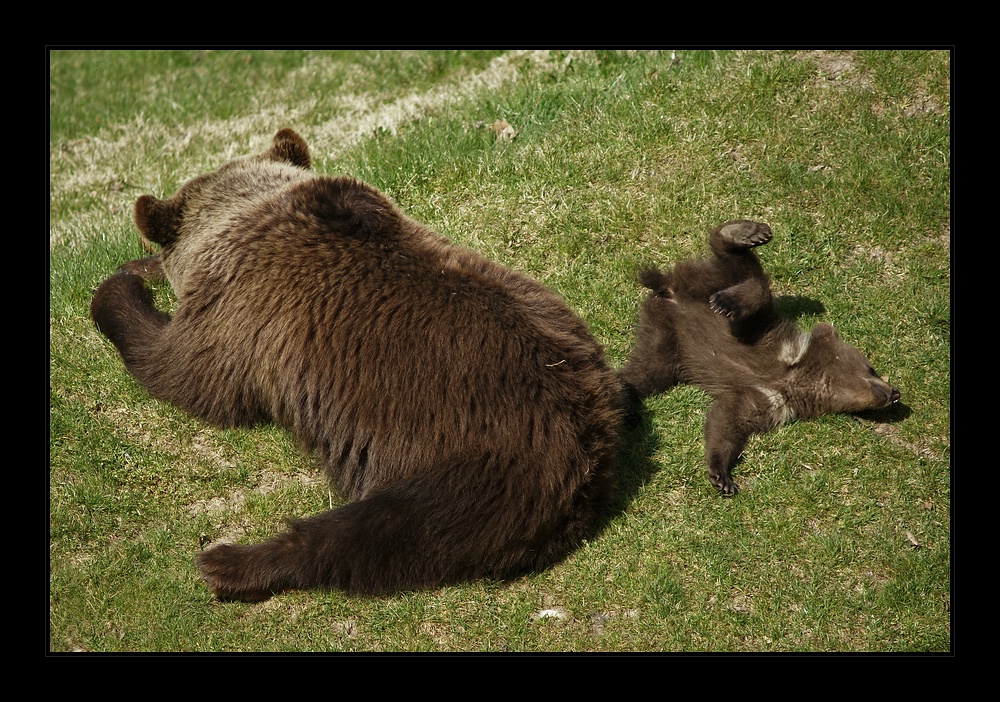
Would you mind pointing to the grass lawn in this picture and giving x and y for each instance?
(576, 167)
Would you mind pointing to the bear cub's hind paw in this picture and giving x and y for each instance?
(746, 233)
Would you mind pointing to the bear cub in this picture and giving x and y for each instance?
(463, 410)
(713, 323)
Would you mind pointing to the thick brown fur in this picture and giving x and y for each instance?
(462, 408)
(713, 323)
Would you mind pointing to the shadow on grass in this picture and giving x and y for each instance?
(635, 466)
(797, 306)
(639, 442)
(889, 415)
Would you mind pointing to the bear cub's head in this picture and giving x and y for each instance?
(846, 380)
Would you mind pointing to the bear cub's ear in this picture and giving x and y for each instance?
(289, 147)
(824, 331)
(654, 279)
(158, 220)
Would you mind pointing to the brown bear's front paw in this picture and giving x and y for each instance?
(745, 233)
(113, 307)
(148, 269)
(723, 483)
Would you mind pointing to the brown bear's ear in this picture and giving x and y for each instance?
(158, 220)
(290, 148)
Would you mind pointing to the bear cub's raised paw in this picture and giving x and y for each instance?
(745, 233)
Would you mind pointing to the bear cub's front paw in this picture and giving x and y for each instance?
(723, 483)
(725, 302)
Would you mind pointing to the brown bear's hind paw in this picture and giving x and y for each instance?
(229, 574)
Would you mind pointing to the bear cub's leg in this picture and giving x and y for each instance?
(733, 244)
(732, 419)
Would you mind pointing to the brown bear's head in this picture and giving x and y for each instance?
(162, 221)
(208, 207)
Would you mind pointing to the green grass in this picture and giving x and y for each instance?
(840, 539)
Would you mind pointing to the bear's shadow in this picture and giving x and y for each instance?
(798, 306)
(636, 466)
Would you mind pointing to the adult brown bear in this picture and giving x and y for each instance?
(713, 323)
(464, 410)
